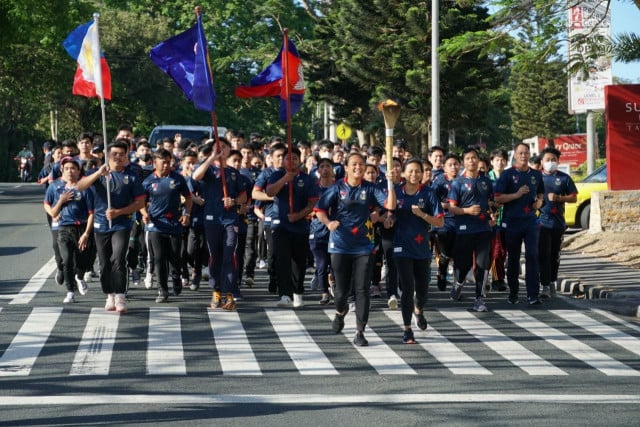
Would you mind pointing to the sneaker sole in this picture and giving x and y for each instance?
(393, 305)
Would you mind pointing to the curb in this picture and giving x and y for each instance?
(621, 302)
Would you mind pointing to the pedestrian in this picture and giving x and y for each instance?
(520, 190)
(417, 210)
(164, 220)
(73, 211)
(319, 234)
(470, 200)
(220, 221)
(498, 250)
(559, 189)
(290, 227)
(118, 195)
(351, 239)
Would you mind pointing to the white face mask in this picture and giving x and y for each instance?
(325, 155)
(550, 167)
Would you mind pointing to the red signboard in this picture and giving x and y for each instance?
(573, 148)
(623, 136)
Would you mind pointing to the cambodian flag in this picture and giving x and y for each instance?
(93, 77)
(185, 59)
(270, 82)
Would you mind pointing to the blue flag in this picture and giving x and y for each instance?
(184, 58)
(270, 82)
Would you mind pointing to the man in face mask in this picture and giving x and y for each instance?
(559, 189)
(143, 153)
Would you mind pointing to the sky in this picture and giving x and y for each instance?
(625, 17)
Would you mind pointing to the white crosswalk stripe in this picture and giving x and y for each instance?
(509, 349)
(304, 352)
(377, 353)
(167, 351)
(570, 345)
(93, 356)
(456, 360)
(19, 357)
(234, 350)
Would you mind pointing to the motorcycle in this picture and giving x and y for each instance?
(24, 168)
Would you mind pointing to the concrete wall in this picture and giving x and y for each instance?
(615, 211)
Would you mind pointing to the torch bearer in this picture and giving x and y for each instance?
(390, 111)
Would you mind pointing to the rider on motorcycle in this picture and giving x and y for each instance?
(25, 157)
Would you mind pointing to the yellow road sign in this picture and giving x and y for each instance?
(343, 131)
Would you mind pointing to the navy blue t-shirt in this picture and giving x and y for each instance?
(304, 191)
(214, 211)
(552, 213)
(351, 207)
(245, 186)
(252, 174)
(261, 185)
(466, 192)
(441, 186)
(197, 211)
(519, 212)
(75, 211)
(411, 236)
(164, 202)
(317, 230)
(125, 188)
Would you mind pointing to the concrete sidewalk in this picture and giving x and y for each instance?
(613, 286)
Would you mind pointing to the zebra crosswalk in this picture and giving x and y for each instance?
(457, 341)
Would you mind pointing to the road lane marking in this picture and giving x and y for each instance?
(165, 354)
(93, 356)
(304, 352)
(509, 349)
(378, 354)
(291, 400)
(447, 353)
(34, 285)
(617, 319)
(20, 356)
(605, 364)
(234, 351)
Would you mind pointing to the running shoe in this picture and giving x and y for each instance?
(148, 280)
(69, 298)
(297, 301)
(513, 299)
(479, 305)
(456, 292)
(229, 305)
(249, 282)
(533, 300)
(285, 302)
(360, 340)
(545, 292)
(82, 285)
(162, 297)
(120, 303)
(326, 299)
(408, 337)
(338, 322)
(374, 291)
(216, 300)
(392, 303)
(421, 322)
(499, 285)
(110, 304)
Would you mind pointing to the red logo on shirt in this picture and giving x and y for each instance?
(354, 230)
(419, 238)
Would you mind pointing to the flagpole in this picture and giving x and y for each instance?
(285, 74)
(214, 121)
(99, 91)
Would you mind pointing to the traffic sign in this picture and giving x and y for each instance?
(343, 131)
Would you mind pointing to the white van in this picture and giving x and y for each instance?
(195, 133)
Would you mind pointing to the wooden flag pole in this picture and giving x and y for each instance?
(214, 122)
(287, 88)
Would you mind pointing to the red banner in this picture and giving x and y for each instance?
(573, 148)
(623, 136)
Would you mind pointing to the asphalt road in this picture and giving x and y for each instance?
(180, 363)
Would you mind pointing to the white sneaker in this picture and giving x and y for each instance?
(110, 305)
(297, 301)
(262, 264)
(545, 292)
(120, 303)
(392, 303)
(82, 285)
(87, 276)
(69, 298)
(185, 282)
(148, 280)
(352, 306)
(285, 302)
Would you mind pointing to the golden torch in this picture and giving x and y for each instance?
(390, 111)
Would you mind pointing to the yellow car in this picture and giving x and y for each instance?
(577, 214)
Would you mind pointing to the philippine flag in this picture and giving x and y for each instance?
(92, 78)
